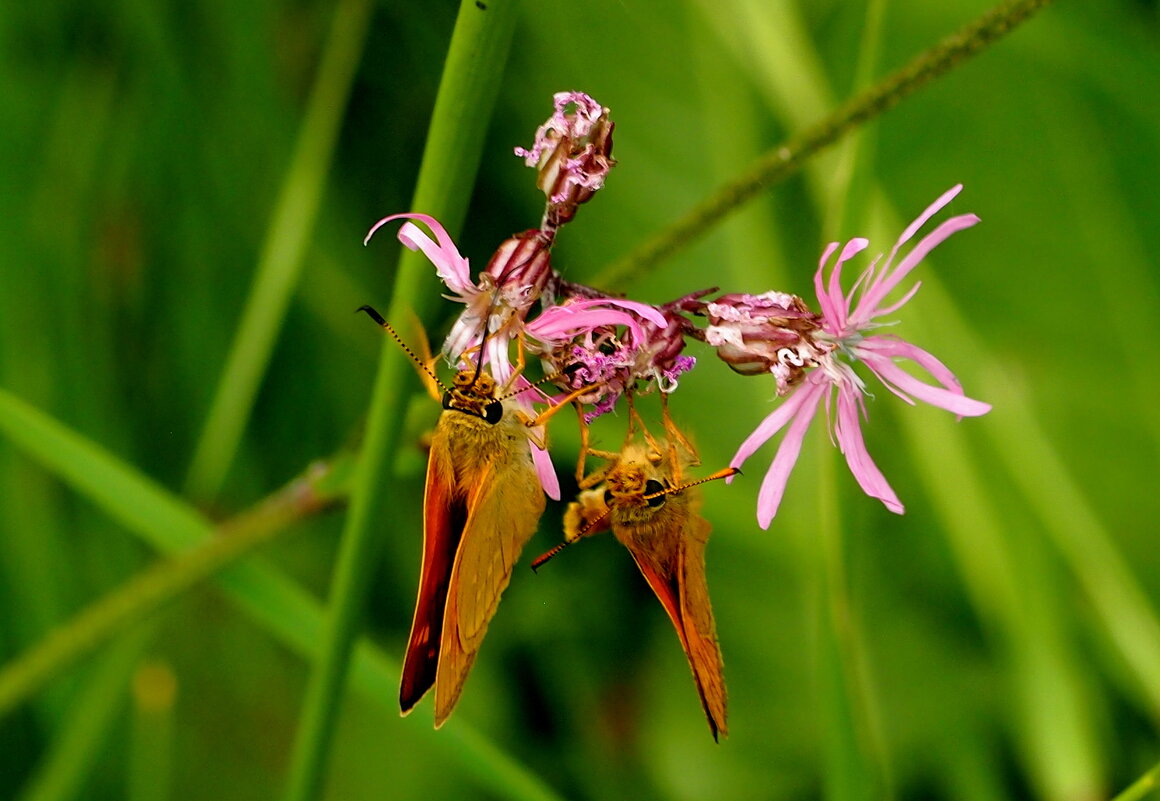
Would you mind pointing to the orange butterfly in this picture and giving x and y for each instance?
(640, 495)
(482, 503)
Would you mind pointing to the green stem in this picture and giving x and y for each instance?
(282, 254)
(147, 592)
(64, 770)
(1142, 786)
(470, 83)
(855, 764)
(151, 734)
(853, 175)
(785, 160)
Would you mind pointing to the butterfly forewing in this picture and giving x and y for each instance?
(481, 504)
(501, 522)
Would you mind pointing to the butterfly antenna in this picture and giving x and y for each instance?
(567, 371)
(542, 559)
(724, 473)
(378, 318)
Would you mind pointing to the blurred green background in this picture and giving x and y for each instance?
(998, 641)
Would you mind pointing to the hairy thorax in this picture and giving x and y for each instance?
(476, 445)
(642, 515)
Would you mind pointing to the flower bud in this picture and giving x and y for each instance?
(519, 270)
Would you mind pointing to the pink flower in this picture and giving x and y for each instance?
(511, 283)
(645, 344)
(508, 287)
(845, 337)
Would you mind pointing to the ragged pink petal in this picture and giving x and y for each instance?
(776, 420)
(566, 322)
(894, 348)
(773, 486)
(831, 310)
(848, 429)
(943, 199)
(449, 264)
(546, 472)
(498, 358)
(646, 311)
(868, 305)
(834, 304)
(524, 395)
(902, 301)
(950, 400)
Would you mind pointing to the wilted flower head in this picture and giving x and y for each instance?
(612, 358)
(767, 333)
(843, 339)
(572, 153)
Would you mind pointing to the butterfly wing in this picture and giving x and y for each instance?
(444, 517)
(502, 517)
(700, 629)
(684, 593)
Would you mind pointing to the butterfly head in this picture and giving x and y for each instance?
(473, 393)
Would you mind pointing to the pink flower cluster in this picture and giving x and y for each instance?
(611, 346)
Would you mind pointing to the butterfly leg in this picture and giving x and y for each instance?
(535, 424)
(677, 441)
(634, 420)
(584, 440)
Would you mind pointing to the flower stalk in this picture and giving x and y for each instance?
(786, 159)
(131, 602)
(467, 92)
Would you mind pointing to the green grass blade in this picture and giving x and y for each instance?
(130, 498)
(282, 254)
(149, 590)
(1058, 736)
(475, 63)
(1003, 568)
(786, 159)
(1142, 786)
(265, 595)
(858, 763)
(151, 733)
(1121, 605)
(68, 764)
(855, 760)
(1125, 614)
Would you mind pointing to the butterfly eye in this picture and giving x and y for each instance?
(651, 488)
(493, 412)
(608, 497)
